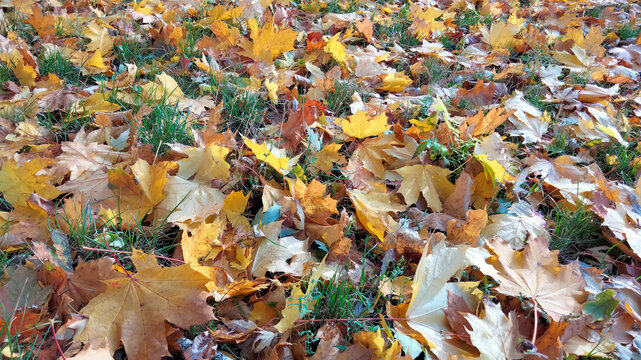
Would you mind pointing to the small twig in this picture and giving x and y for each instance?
(104, 231)
(131, 253)
(55, 339)
(536, 322)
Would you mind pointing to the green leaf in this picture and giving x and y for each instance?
(602, 306)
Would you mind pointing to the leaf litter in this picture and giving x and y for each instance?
(320, 179)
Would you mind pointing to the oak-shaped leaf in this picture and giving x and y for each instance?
(133, 309)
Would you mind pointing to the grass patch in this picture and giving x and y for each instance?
(82, 230)
(436, 72)
(559, 144)
(187, 46)
(397, 30)
(62, 124)
(342, 298)
(6, 74)
(339, 97)
(339, 6)
(165, 125)
(56, 63)
(20, 112)
(574, 231)
(628, 31)
(132, 52)
(594, 12)
(242, 110)
(618, 161)
(470, 18)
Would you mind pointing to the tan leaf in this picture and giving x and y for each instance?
(536, 273)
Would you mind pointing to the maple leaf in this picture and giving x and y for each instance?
(535, 273)
(366, 27)
(137, 194)
(286, 254)
(275, 157)
(134, 309)
(496, 335)
(429, 180)
(267, 42)
(500, 35)
(22, 290)
(17, 183)
(336, 49)
(481, 124)
(100, 39)
(372, 210)
(429, 297)
(233, 208)
(300, 303)
(202, 240)
(425, 21)
(395, 82)
(205, 164)
(375, 341)
(316, 205)
(515, 227)
(327, 156)
(188, 201)
(624, 229)
(44, 25)
(361, 125)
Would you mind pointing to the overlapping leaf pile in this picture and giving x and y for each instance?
(347, 179)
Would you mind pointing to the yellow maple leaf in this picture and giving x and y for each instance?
(202, 240)
(243, 258)
(300, 303)
(95, 103)
(372, 211)
(361, 125)
(272, 155)
(395, 82)
(373, 340)
(335, 48)
(137, 194)
(233, 208)
(272, 88)
(500, 35)
(99, 36)
(327, 156)
(96, 60)
(493, 168)
(17, 183)
(25, 73)
(266, 43)
(204, 164)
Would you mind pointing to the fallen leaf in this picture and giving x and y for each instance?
(361, 125)
(134, 309)
(496, 335)
(17, 183)
(535, 273)
(428, 180)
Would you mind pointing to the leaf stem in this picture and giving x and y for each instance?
(55, 339)
(536, 322)
(104, 236)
